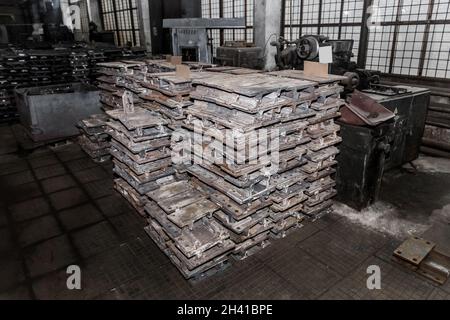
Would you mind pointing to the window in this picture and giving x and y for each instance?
(229, 9)
(412, 38)
(121, 17)
(408, 37)
(336, 19)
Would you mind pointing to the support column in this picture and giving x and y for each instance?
(144, 25)
(94, 13)
(267, 27)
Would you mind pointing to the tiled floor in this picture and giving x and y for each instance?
(58, 208)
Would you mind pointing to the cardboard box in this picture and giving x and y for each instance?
(315, 69)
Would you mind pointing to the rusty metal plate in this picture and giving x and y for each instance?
(324, 142)
(299, 74)
(290, 202)
(186, 216)
(170, 190)
(262, 227)
(251, 246)
(154, 211)
(253, 85)
(142, 157)
(286, 193)
(140, 118)
(234, 210)
(142, 183)
(319, 209)
(312, 167)
(141, 134)
(239, 102)
(323, 154)
(243, 225)
(320, 174)
(414, 250)
(319, 186)
(241, 196)
(98, 145)
(134, 198)
(322, 129)
(197, 268)
(321, 197)
(203, 236)
(143, 178)
(138, 147)
(208, 255)
(289, 178)
(282, 227)
(141, 169)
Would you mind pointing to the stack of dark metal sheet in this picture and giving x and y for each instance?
(169, 94)
(140, 143)
(257, 180)
(112, 84)
(159, 65)
(28, 69)
(13, 72)
(81, 66)
(257, 158)
(93, 139)
(181, 222)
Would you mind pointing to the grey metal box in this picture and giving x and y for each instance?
(52, 112)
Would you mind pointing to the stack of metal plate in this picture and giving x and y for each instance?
(29, 68)
(323, 133)
(159, 65)
(93, 139)
(252, 176)
(140, 142)
(257, 156)
(80, 63)
(264, 187)
(181, 222)
(169, 94)
(14, 72)
(111, 83)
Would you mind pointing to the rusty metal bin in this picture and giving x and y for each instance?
(52, 112)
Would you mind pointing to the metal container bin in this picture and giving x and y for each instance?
(52, 112)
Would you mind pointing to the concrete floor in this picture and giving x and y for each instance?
(58, 208)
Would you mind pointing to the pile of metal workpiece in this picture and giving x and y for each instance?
(21, 68)
(112, 83)
(93, 139)
(276, 173)
(218, 163)
(140, 141)
(180, 214)
(29, 68)
(282, 150)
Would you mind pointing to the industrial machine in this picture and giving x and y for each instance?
(190, 36)
(293, 54)
(368, 149)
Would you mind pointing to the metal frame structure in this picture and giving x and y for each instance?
(121, 17)
(407, 38)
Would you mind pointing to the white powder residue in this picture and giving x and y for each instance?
(432, 164)
(381, 217)
(441, 215)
